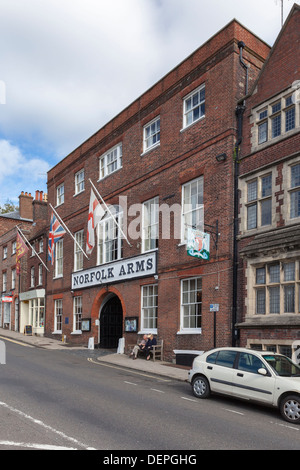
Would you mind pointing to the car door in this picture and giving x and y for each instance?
(248, 383)
(219, 370)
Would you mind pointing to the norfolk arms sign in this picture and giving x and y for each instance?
(122, 270)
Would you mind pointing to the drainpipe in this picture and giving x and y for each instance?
(241, 46)
(240, 109)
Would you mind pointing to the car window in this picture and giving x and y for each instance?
(212, 358)
(226, 358)
(282, 365)
(250, 363)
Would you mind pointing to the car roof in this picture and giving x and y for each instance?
(239, 349)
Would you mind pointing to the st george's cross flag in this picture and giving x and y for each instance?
(55, 233)
(96, 212)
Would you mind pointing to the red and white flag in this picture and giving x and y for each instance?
(21, 250)
(96, 212)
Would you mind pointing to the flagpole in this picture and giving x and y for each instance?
(31, 247)
(68, 231)
(102, 200)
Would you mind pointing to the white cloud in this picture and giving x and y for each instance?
(19, 173)
(69, 66)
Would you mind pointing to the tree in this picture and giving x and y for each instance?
(9, 206)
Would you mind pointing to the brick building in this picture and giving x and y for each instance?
(166, 158)
(26, 218)
(269, 169)
(32, 297)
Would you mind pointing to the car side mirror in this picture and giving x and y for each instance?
(262, 371)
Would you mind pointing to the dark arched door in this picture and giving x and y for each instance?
(111, 323)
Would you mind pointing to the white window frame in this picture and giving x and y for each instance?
(4, 252)
(60, 194)
(150, 224)
(37, 312)
(110, 162)
(151, 135)
(149, 308)
(109, 237)
(191, 109)
(32, 276)
(77, 314)
(78, 254)
(79, 182)
(40, 274)
(4, 281)
(192, 214)
(13, 278)
(187, 304)
(14, 248)
(59, 258)
(58, 315)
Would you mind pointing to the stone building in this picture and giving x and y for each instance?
(269, 184)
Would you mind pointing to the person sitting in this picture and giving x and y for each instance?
(140, 346)
(149, 346)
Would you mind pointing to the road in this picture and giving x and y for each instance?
(56, 400)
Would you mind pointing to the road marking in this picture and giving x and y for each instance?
(17, 342)
(45, 426)
(155, 390)
(131, 370)
(34, 446)
(233, 411)
(285, 426)
(190, 399)
(130, 383)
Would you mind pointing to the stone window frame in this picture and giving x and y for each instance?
(253, 286)
(243, 187)
(266, 112)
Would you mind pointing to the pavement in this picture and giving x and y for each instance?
(108, 357)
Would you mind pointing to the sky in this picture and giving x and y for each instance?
(67, 67)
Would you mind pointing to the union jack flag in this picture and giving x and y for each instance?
(56, 232)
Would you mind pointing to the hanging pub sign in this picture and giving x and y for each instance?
(198, 244)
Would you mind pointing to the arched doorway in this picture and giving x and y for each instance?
(111, 323)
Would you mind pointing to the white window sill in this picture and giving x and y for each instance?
(150, 148)
(191, 331)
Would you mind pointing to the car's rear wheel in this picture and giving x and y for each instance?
(200, 387)
(290, 408)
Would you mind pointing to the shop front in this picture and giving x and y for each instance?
(32, 311)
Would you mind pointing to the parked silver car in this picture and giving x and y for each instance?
(261, 376)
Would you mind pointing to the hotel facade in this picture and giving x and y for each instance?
(163, 166)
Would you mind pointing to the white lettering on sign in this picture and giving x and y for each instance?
(131, 268)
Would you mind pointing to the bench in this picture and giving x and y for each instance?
(156, 351)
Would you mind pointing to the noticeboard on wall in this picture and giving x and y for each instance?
(86, 324)
(131, 324)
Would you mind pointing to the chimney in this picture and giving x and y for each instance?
(25, 205)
